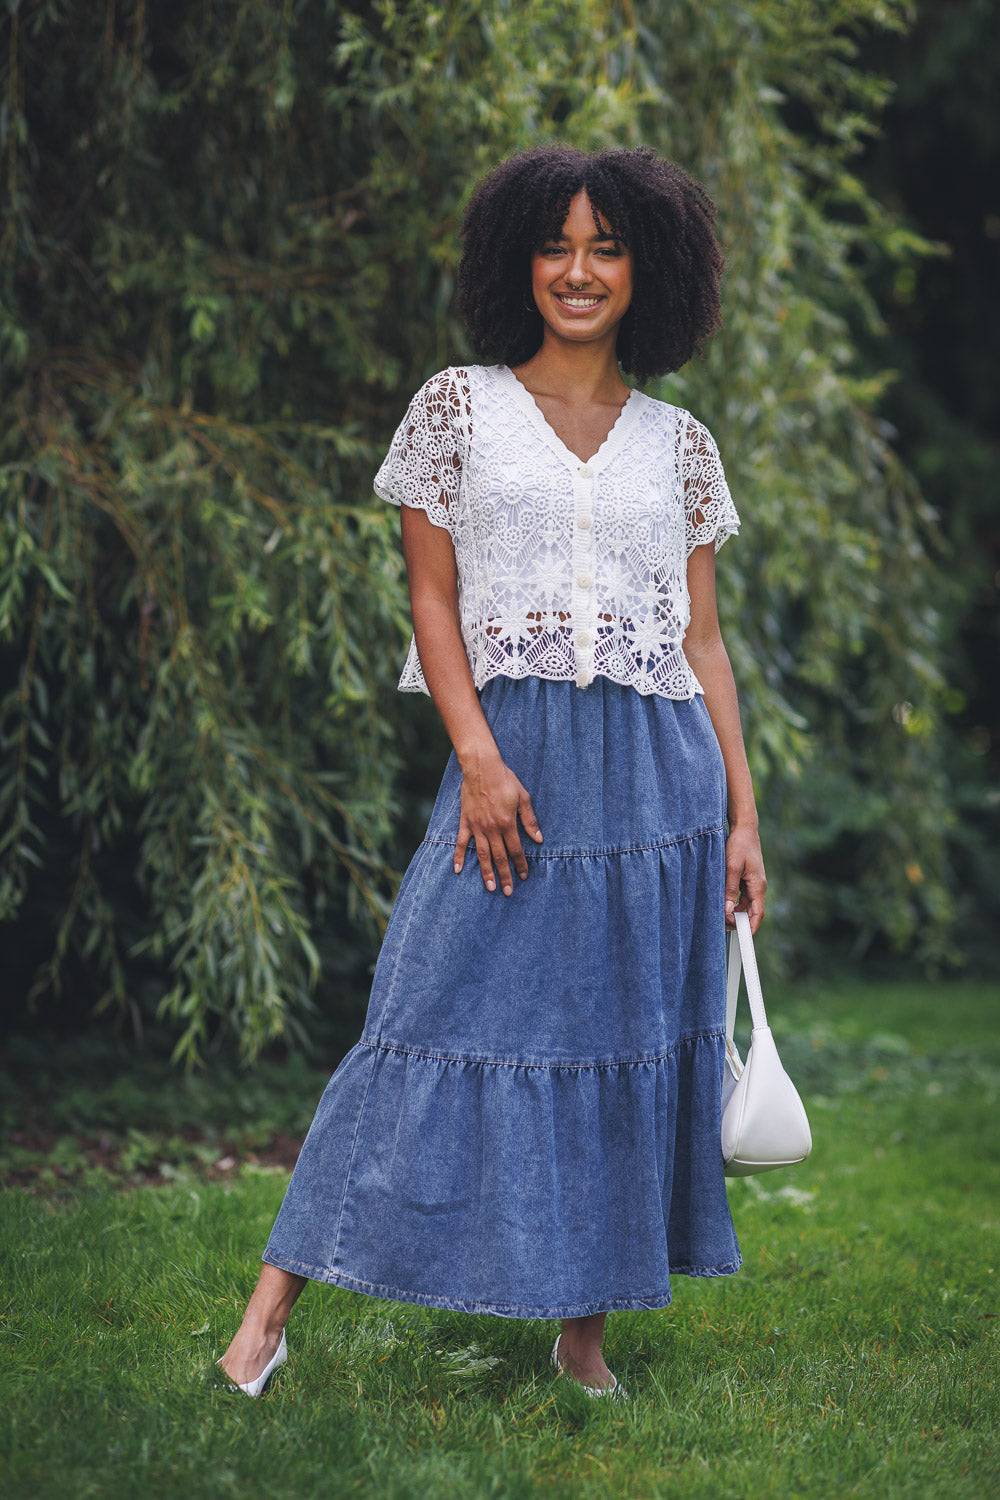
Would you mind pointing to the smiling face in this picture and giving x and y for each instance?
(582, 280)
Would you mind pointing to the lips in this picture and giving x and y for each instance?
(581, 304)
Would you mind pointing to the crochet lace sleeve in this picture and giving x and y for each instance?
(709, 512)
(423, 467)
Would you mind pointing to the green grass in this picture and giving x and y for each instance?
(854, 1355)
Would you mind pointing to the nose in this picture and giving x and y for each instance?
(579, 269)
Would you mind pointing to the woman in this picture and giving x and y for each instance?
(529, 1126)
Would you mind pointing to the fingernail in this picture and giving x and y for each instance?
(458, 869)
(524, 874)
(491, 885)
(507, 890)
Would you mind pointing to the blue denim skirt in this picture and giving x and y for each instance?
(529, 1125)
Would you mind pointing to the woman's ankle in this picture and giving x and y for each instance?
(262, 1327)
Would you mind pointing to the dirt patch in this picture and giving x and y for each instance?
(49, 1161)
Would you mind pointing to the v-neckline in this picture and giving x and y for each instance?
(611, 442)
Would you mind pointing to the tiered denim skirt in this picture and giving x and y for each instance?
(529, 1125)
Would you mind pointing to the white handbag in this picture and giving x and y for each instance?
(764, 1122)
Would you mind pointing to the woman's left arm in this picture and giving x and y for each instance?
(706, 652)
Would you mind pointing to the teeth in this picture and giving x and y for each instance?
(580, 301)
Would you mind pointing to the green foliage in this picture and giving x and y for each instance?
(829, 595)
(229, 258)
(855, 1353)
(937, 160)
(93, 1110)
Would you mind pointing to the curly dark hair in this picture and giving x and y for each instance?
(653, 207)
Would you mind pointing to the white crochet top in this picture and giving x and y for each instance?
(566, 570)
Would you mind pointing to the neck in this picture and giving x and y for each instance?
(577, 372)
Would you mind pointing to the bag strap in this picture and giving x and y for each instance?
(742, 956)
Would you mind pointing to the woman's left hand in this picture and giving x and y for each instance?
(745, 878)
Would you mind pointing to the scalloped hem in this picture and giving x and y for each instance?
(412, 679)
(638, 1302)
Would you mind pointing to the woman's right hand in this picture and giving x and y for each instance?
(492, 801)
(492, 797)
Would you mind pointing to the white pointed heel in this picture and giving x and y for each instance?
(614, 1390)
(254, 1387)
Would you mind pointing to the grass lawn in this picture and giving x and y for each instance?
(854, 1355)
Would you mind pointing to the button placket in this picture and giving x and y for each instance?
(584, 594)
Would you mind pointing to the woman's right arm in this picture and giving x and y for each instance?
(492, 797)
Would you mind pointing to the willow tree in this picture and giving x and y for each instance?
(229, 255)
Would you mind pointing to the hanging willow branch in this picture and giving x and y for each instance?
(228, 258)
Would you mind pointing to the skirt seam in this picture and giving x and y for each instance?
(426, 1055)
(350, 1161)
(400, 949)
(605, 851)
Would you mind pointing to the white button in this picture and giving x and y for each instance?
(584, 581)
(584, 679)
(585, 471)
(583, 638)
(585, 522)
